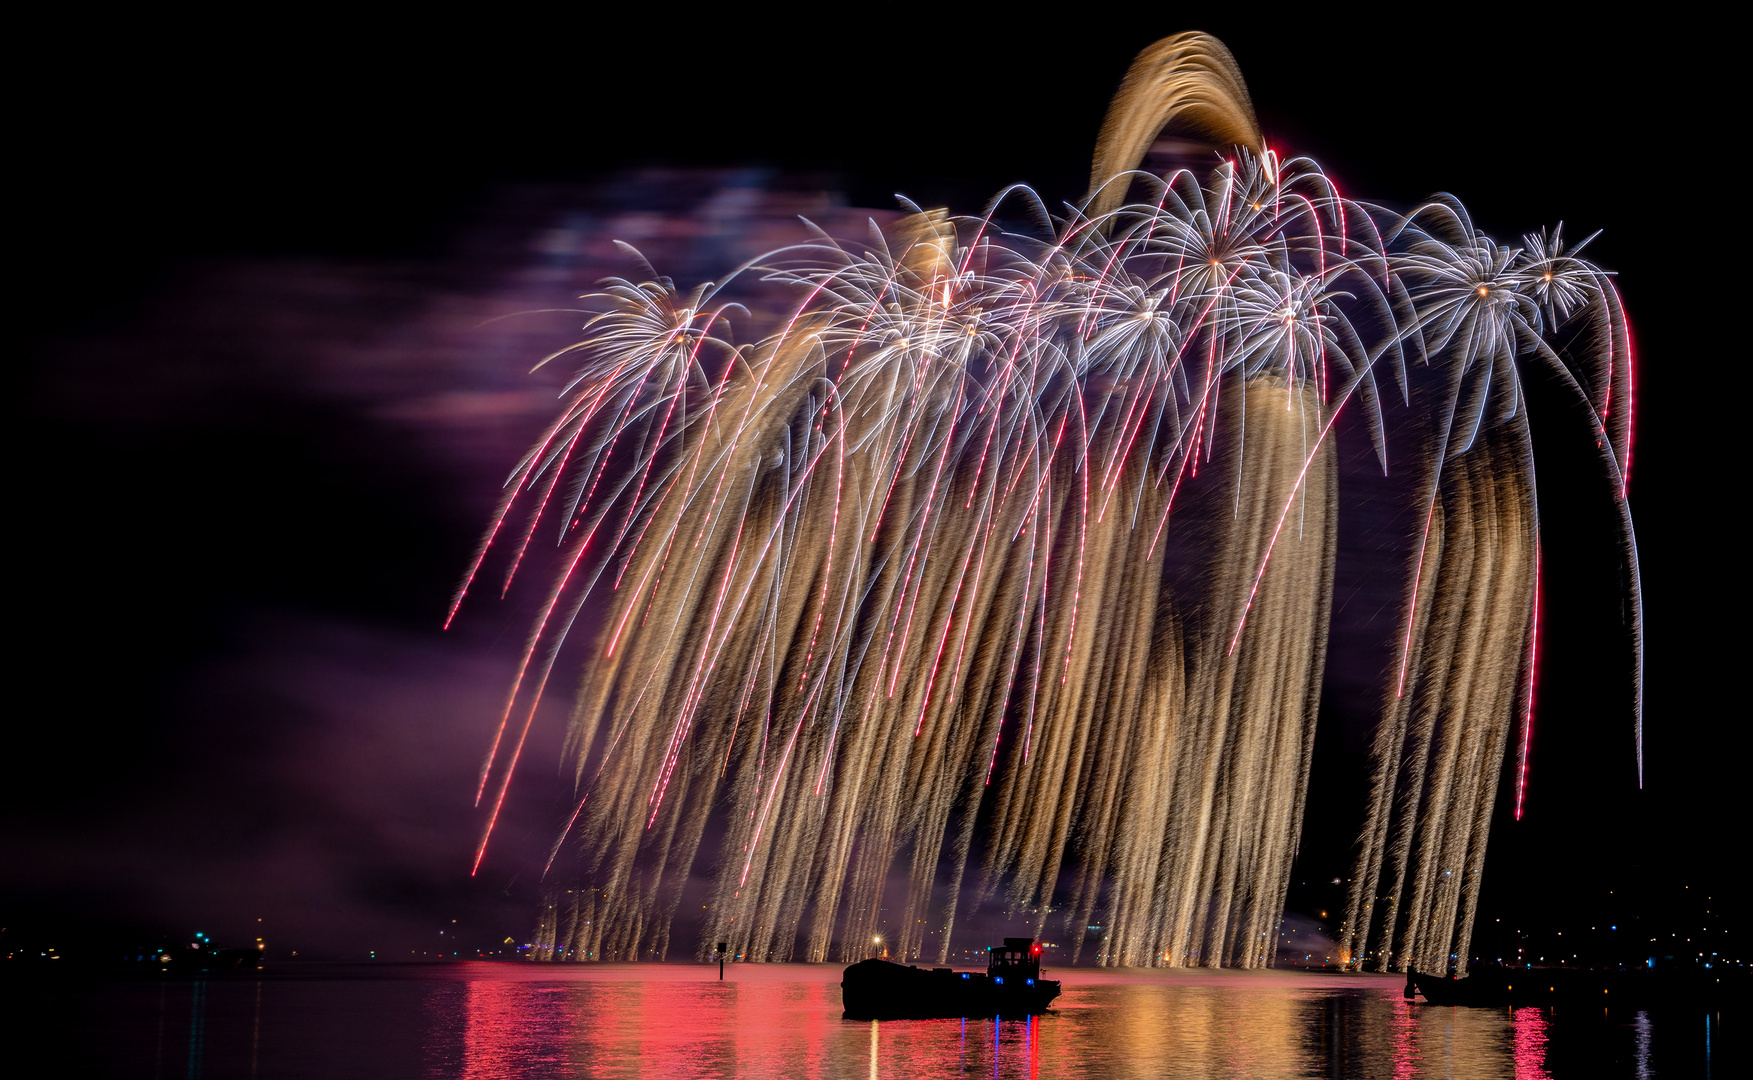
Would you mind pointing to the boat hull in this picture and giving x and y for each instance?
(882, 990)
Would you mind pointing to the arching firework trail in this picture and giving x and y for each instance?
(1007, 561)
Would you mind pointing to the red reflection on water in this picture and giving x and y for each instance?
(1034, 1047)
(1006, 1049)
(1529, 1053)
(780, 1029)
(504, 1023)
(784, 1023)
(1405, 1029)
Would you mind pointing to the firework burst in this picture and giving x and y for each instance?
(898, 584)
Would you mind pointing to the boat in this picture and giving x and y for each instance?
(1011, 985)
(1477, 989)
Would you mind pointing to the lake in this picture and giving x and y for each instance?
(488, 1020)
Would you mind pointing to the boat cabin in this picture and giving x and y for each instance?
(1018, 958)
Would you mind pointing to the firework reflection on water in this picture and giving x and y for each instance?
(486, 1021)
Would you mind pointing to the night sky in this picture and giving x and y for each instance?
(241, 504)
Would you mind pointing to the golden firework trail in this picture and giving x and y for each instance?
(895, 589)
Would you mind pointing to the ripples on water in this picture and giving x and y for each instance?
(484, 1021)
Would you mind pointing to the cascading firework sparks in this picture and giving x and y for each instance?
(898, 584)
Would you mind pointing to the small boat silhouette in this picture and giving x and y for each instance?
(1011, 985)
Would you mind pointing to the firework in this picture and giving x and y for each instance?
(1007, 560)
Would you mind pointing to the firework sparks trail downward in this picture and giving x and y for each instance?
(896, 584)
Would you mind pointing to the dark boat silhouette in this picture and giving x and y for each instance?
(1011, 985)
(1478, 989)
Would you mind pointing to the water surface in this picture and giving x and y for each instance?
(484, 1021)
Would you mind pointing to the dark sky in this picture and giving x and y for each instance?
(232, 555)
